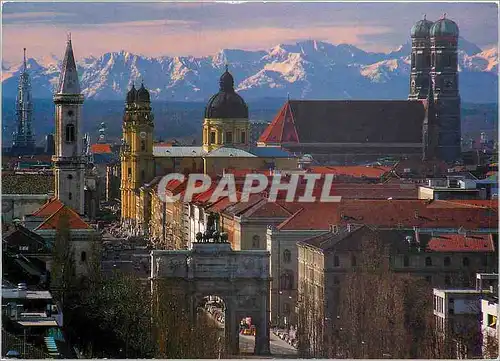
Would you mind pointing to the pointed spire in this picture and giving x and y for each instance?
(425, 17)
(68, 81)
(24, 62)
(288, 96)
(227, 68)
(444, 16)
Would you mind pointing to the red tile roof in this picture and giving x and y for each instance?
(313, 216)
(282, 128)
(482, 203)
(352, 171)
(100, 148)
(461, 243)
(49, 208)
(389, 214)
(75, 222)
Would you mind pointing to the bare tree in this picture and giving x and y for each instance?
(178, 330)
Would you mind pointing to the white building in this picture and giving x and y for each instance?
(457, 315)
(489, 310)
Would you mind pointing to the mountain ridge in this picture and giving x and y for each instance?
(308, 69)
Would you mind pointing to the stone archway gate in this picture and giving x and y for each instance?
(240, 278)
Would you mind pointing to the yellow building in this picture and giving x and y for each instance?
(226, 145)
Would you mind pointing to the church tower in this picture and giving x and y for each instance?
(69, 163)
(137, 163)
(226, 117)
(444, 72)
(430, 128)
(24, 140)
(420, 59)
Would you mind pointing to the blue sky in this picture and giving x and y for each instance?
(201, 29)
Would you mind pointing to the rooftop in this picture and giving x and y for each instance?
(27, 183)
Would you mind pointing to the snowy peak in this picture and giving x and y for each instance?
(306, 69)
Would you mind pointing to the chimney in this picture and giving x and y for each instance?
(22, 290)
(348, 227)
(417, 234)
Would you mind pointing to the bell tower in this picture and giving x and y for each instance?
(137, 162)
(69, 163)
(420, 59)
(444, 72)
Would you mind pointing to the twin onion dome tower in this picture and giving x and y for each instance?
(434, 79)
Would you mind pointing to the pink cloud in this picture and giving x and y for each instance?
(171, 37)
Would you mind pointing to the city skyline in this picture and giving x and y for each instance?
(200, 29)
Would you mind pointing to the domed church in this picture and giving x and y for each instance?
(225, 145)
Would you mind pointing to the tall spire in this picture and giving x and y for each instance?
(24, 141)
(24, 61)
(68, 81)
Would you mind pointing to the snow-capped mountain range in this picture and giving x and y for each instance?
(305, 70)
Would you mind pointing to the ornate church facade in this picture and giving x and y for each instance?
(225, 145)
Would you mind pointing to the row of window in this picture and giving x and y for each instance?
(228, 137)
(431, 61)
(446, 261)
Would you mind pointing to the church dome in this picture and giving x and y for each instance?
(132, 94)
(444, 27)
(421, 29)
(226, 103)
(143, 95)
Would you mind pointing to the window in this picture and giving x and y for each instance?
(447, 261)
(70, 133)
(428, 261)
(129, 172)
(70, 195)
(492, 321)
(427, 61)
(143, 175)
(465, 262)
(243, 137)
(413, 65)
(255, 241)
(287, 280)
(428, 279)
(447, 280)
(406, 261)
(143, 145)
(353, 261)
(83, 256)
(229, 137)
(287, 256)
(212, 137)
(336, 261)
(286, 307)
(336, 281)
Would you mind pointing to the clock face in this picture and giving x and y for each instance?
(143, 135)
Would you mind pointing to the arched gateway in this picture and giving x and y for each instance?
(212, 267)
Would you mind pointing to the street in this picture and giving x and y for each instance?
(279, 347)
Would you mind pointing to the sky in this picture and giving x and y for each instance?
(204, 28)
